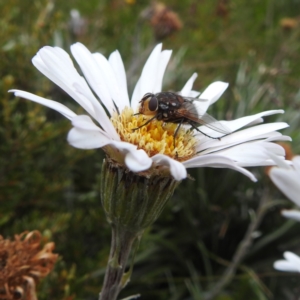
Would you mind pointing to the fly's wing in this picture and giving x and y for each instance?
(192, 99)
(210, 122)
(190, 112)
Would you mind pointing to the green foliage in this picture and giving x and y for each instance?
(49, 186)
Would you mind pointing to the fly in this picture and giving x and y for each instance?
(173, 108)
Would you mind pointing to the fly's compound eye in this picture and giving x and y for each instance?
(153, 104)
(149, 105)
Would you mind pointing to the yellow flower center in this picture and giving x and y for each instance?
(155, 137)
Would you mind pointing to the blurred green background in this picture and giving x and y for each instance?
(49, 186)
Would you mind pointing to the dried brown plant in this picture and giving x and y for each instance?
(163, 20)
(289, 23)
(23, 261)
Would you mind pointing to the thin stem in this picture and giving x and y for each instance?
(121, 244)
(240, 252)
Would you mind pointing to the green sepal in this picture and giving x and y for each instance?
(133, 200)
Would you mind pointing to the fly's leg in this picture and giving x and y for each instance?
(196, 128)
(174, 136)
(134, 129)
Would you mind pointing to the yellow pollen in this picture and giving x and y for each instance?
(155, 137)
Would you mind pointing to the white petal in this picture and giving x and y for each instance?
(188, 86)
(278, 137)
(91, 138)
(255, 122)
(147, 80)
(86, 123)
(288, 182)
(87, 139)
(177, 169)
(212, 93)
(194, 94)
(291, 264)
(236, 124)
(292, 258)
(283, 265)
(56, 64)
(137, 160)
(136, 98)
(149, 73)
(291, 214)
(117, 65)
(254, 153)
(110, 80)
(65, 111)
(101, 115)
(216, 161)
(93, 74)
(296, 163)
(242, 136)
(250, 120)
(279, 162)
(164, 59)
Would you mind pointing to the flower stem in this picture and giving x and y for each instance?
(115, 276)
(132, 202)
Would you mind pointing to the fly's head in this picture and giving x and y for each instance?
(149, 105)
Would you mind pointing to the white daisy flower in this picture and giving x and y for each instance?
(287, 179)
(290, 264)
(102, 92)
